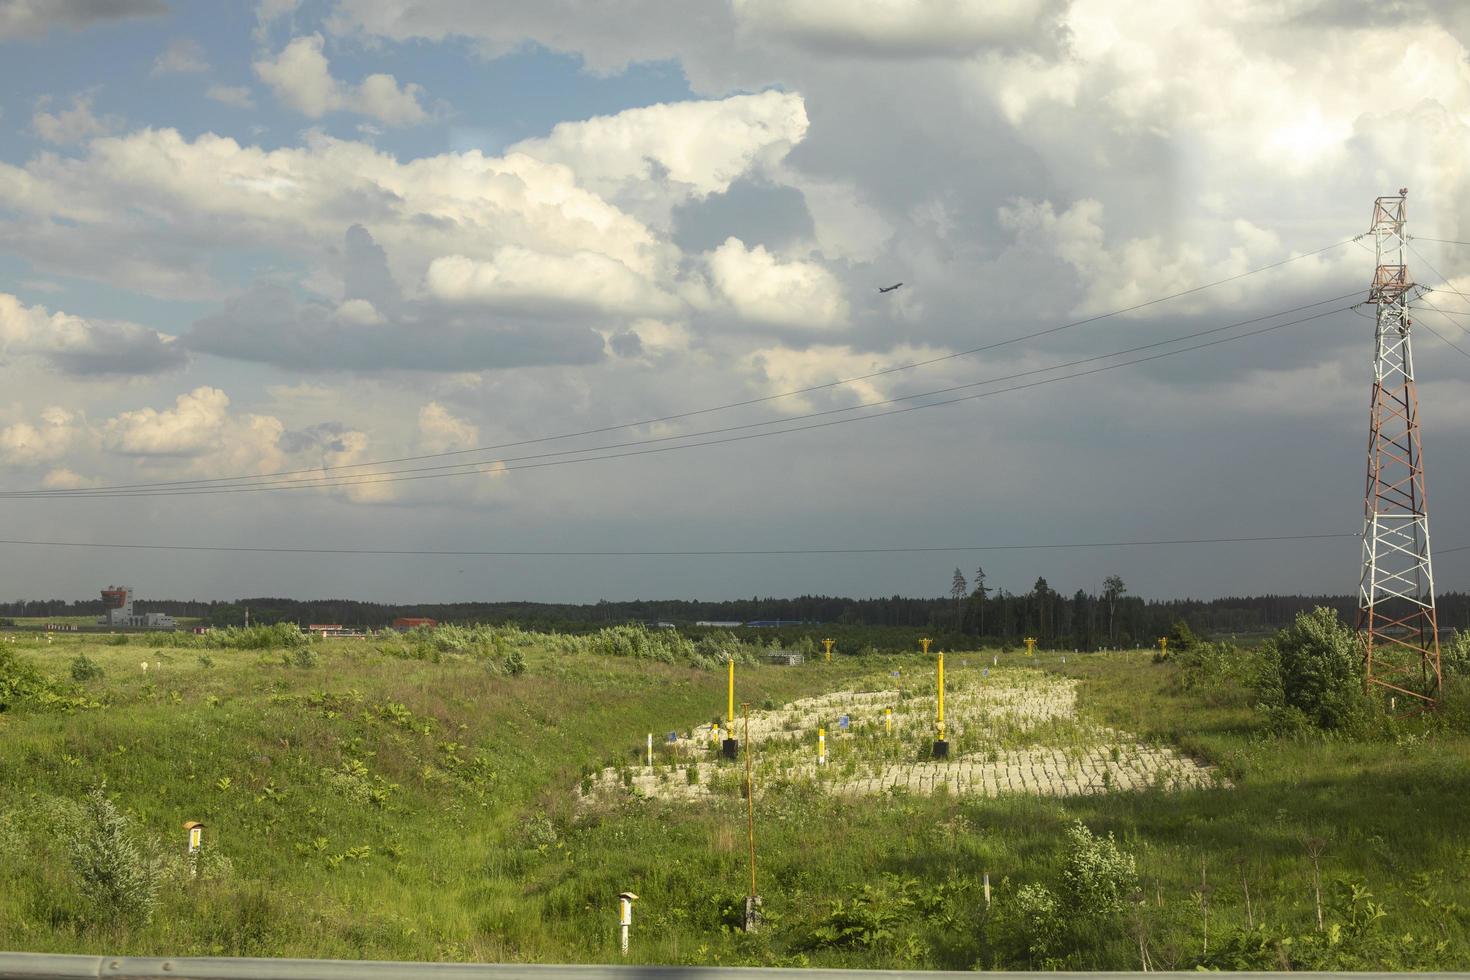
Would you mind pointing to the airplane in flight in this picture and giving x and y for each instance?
(889, 289)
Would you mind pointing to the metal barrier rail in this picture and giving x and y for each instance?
(46, 966)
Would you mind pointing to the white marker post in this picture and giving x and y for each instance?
(650, 750)
(195, 829)
(625, 916)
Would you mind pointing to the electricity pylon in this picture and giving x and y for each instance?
(1396, 614)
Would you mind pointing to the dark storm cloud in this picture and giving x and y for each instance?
(112, 349)
(755, 212)
(269, 325)
(32, 18)
(377, 330)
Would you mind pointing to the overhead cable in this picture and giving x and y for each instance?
(751, 401)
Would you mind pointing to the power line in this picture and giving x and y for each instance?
(1448, 285)
(1436, 332)
(750, 401)
(714, 553)
(354, 479)
(499, 466)
(1442, 241)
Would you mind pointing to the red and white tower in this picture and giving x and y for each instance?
(1396, 615)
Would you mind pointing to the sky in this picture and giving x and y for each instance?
(306, 238)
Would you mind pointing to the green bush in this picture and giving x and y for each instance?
(84, 668)
(23, 684)
(119, 880)
(1311, 675)
(1454, 654)
(1098, 877)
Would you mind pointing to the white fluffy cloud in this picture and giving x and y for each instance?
(153, 186)
(703, 144)
(440, 431)
(518, 278)
(193, 427)
(72, 124)
(77, 345)
(45, 440)
(301, 77)
(761, 287)
(780, 369)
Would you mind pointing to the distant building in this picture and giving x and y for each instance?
(330, 629)
(118, 601)
(406, 623)
(775, 622)
(725, 623)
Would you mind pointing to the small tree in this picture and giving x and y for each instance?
(957, 589)
(980, 592)
(1113, 590)
(118, 879)
(1098, 877)
(1312, 673)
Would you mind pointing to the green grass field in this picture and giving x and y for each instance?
(359, 804)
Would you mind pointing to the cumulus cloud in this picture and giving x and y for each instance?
(193, 427)
(183, 55)
(79, 346)
(72, 124)
(440, 431)
(31, 18)
(518, 278)
(704, 145)
(779, 368)
(760, 286)
(231, 95)
(154, 200)
(301, 77)
(42, 441)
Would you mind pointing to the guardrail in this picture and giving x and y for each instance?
(46, 966)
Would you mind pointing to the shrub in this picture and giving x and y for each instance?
(118, 879)
(304, 657)
(1454, 654)
(1039, 915)
(84, 668)
(21, 683)
(1097, 877)
(118, 640)
(514, 663)
(1312, 675)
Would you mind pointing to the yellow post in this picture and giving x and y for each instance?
(1030, 645)
(1164, 646)
(821, 746)
(730, 702)
(941, 697)
(828, 645)
(888, 719)
(925, 643)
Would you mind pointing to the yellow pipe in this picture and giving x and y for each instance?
(730, 704)
(941, 697)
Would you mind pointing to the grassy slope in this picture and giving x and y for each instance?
(476, 852)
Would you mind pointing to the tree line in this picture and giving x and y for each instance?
(973, 610)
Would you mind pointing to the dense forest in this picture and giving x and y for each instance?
(972, 610)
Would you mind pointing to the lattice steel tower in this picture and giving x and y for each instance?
(1396, 615)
